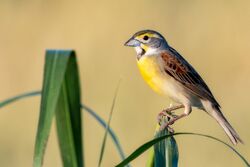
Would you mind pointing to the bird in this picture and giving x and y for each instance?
(169, 74)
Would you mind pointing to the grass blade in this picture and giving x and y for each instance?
(150, 143)
(110, 130)
(151, 158)
(68, 117)
(84, 107)
(113, 136)
(19, 97)
(107, 126)
(58, 66)
(166, 151)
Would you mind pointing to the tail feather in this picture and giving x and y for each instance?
(231, 133)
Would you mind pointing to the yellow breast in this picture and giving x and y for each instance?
(152, 73)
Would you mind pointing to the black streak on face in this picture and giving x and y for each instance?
(141, 54)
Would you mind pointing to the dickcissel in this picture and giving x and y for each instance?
(168, 73)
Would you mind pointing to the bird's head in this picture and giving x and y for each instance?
(147, 42)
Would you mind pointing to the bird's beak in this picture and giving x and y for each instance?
(132, 42)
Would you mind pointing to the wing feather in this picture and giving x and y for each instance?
(177, 67)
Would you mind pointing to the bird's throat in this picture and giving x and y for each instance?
(139, 52)
(151, 72)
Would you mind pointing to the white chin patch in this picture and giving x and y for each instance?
(150, 51)
(138, 50)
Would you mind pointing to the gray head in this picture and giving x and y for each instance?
(147, 42)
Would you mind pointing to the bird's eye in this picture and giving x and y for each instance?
(145, 38)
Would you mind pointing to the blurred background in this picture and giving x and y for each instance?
(212, 35)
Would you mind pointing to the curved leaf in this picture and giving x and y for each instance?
(110, 130)
(83, 106)
(60, 97)
(150, 143)
(166, 151)
(19, 97)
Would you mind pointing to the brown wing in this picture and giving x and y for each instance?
(177, 67)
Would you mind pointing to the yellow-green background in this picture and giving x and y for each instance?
(213, 35)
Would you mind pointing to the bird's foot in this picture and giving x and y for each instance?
(167, 117)
(167, 114)
(166, 124)
(164, 119)
(172, 121)
(161, 116)
(170, 129)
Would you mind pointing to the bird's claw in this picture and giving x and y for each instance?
(165, 114)
(165, 120)
(167, 117)
(165, 125)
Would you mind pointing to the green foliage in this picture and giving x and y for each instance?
(166, 151)
(163, 154)
(19, 97)
(150, 143)
(60, 97)
(85, 108)
(110, 131)
(107, 127)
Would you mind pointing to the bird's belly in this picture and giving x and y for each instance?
(158, 80)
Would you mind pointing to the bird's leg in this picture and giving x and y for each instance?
(187, 111)
(168, 112)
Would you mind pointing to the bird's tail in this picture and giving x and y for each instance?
(231, 133)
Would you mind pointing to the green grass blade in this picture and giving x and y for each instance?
(19, 97)
(113, 136)
(172, 153)
(84, 107)
(110, 130)
(64, 130)
(150, 143)
(151, 158)
(68, 117)
(166, 151)
(58, 66)
(50, 94)
(108, 126)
